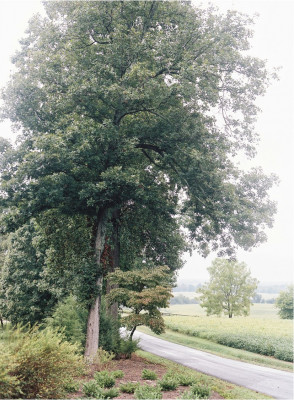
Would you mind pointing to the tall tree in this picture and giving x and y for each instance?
(116, 102)
(285, 303)
(230, 289)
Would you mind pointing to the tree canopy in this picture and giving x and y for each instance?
(230, 289)
(285, 303)
(118, 106)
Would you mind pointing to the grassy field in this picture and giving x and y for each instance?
(257, 310)
(263, 332)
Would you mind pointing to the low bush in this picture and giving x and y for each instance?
(110, 393)
(38, 364)
(129, 387)
(92, 389)
(147, 392)
(148, 374)
(168, 383)
(103, 358)
(200, 391)
(118, 374)
(185, 380)
(104, 379)
(127, 347)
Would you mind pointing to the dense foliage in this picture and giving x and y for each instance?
(285, 302)
(144, 291)
(37, 364)
(117, 105)
(230, 289)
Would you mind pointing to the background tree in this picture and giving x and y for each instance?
(229, 290)
(115, 101)
(143, 291)
(284, 303)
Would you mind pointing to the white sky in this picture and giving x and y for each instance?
(273, 40)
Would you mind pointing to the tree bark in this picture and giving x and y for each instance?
(115, 254)
(92, 338)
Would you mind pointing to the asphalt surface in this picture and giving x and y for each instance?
(275, 383)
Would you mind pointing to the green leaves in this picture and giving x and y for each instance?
(229, 290)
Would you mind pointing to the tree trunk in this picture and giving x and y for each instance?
(92, 338)
(115, 253)
(132, 332)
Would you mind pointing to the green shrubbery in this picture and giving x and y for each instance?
(70, 318)
(148, 374)
(38, 364)
(147, 392)
(129, 387)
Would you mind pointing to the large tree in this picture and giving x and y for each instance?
(230, 289)
(285, 303)
(117, 104)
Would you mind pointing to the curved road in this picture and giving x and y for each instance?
(275, 383)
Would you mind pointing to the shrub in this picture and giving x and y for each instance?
(148, 392)
(129, 387)
(127, 347)
(41, 364)
(118, 374)
(110, 393)
(72, 386)
(148, 374)
(109, 337)
(104, 379)
(185, 380)
(168, 383)
(92, 389)
(70, 318)
(103, 358)
(200, 391)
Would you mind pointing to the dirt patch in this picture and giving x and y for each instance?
(132, 369)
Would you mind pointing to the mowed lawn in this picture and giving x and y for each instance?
(263, 332)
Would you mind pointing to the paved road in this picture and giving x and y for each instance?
(275, 383)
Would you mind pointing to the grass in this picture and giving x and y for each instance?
(257, 310)
(225, 389)
(220, 350)
(262, 332)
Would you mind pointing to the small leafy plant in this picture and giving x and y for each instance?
(148, 374)
(200, 391)
(168, 383)
(147, 392)
(104, 379)
(129, 387)
(110, 393)
(117, 374)
(92, 389)
(185, 380)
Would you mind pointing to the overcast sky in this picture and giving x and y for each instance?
(273, 40)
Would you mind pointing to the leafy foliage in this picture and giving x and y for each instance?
(147, 392)
(38, 364)
(140, 290)
(104, 379)
(285, 302)
(129, 387)
(149, 374)
(70, 318)
(229, 290)
(115, 101)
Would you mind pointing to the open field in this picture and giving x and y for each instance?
(263, 332)
(257, 310)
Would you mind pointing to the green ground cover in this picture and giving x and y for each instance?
(220, 350)
(262, 332)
